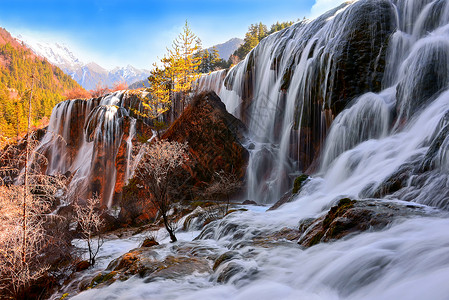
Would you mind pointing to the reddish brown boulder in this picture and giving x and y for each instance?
(214, 137)
(82, 265)
(149, 242)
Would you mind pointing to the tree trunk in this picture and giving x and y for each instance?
(169, 229)
(25, 194)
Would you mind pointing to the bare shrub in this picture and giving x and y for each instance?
(160, 162)
(89, 220)
(223, 186)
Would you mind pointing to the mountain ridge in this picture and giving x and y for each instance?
(89, 75)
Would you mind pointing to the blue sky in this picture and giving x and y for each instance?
(117, 33)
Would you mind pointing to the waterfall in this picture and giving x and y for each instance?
(129, 150)
(289, 88)
(382, 137)
(88, 140)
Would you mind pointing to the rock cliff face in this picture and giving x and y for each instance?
(289, 89)
(214, 140)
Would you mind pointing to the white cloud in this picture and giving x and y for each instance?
(322, 6)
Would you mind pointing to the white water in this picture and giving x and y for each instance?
(407, 260)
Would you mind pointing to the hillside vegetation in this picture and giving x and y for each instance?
(18, 65)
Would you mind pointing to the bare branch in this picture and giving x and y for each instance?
(156, 171)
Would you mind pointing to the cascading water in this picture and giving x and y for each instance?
(290, 87)
(88, 140)
(390, 144)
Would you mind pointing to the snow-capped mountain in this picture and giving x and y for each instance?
(57, 53)
(88, 75)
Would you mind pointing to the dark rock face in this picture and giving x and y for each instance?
(214, 138)
(136, 207)
(358, 61)
(351, 216)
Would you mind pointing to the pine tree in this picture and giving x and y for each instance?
(256, 32)
(185, 63)
(158, 101)
(175, 74)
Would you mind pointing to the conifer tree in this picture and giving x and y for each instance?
(175, 73)
(186, 64)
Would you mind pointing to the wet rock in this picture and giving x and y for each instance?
(424, 77)
(230, 270)
(103, 279)
(149, 242)
(224, 257)
(299, 183)
(82, 265)
(351, 216)
(147, 264)
(249, 202)
(200, 217)
(273, 239)
(287, 197)
(394, 182)
(234, 272)
(125, 261)
(173, 267)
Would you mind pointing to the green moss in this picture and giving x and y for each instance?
(337, 211)
(299, 181)
(142, 138)
(130, 190)
(101, 278)
(316, 239)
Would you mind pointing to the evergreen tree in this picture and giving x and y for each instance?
(256, 32)
(175, 74)
(185, 64)
(211, 61)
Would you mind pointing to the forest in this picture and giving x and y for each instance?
(21, 74)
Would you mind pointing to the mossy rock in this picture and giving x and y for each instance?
(103, 278)
(350, 216)
(299, 183)
(337, 211)
(316, 239)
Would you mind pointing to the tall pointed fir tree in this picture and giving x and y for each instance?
(186, 63)
(172, 78)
